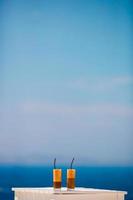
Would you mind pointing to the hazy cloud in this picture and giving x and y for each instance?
(102, 109)
(101, 84)
(36, 132)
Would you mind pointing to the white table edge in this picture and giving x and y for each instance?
(64, 191)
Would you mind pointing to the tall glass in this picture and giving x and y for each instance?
(71, 174)
(57, 178)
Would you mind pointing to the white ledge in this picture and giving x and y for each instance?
(78, 190)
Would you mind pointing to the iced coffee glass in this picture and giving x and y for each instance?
(71, 174)
(57, 177)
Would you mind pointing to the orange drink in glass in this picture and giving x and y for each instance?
(57, 178)
(71, 174)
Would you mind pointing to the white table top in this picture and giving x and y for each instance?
(78, 190)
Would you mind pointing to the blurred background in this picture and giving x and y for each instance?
(66, 79)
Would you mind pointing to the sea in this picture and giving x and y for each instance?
(116, 178)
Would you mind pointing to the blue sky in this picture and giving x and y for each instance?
(66, 81)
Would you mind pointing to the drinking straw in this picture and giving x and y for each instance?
(71, 163)
(55, 163)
